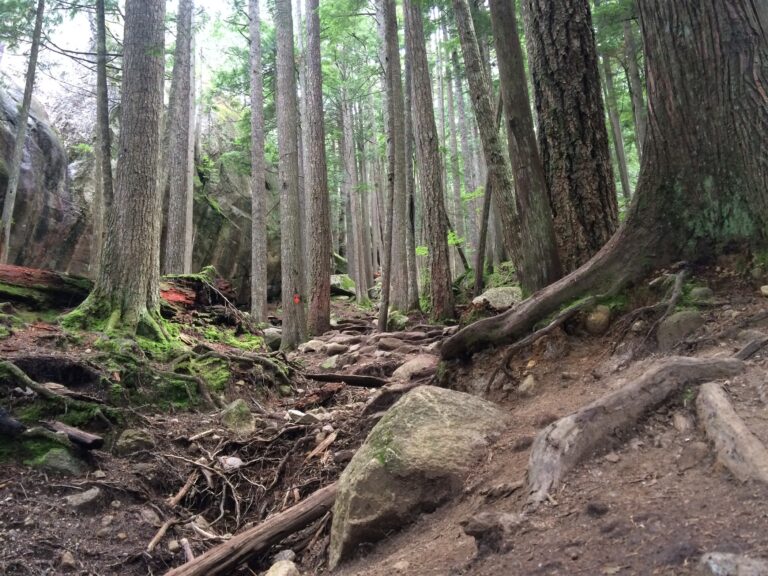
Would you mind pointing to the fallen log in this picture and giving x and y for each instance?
(564, 443)
(351, 379)
(42, 289)
(81, 438)
(226, 556)
(737, 448)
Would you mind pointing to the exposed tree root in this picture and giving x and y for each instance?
(564, 443)
(737, 448)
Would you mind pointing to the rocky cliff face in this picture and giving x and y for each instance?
(52, 219)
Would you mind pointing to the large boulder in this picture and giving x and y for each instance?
(414, 459)
(501, 298)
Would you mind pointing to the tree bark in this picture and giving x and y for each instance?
(21, 136)
(430, 173)
(458, 211)
(635, 86)
(319, 316)
(126, 293)
(573, 140)
(613, 117)
(294, 324)
(258, 173)
(499, 173)
(410, 192)
(700, 189)
(178, 154)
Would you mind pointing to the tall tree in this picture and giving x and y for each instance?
(126, 293)
(572, 135)
(21, 135)
(258, 172)
(701, 189)
(178, 154)
(293, 296)
(410, 192)
(319, 316)
(612, 105)
(631, 53)
(430, 171)
(539, 247)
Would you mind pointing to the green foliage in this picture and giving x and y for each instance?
(80, 150)
(454, 239)
(422, 251)
(503, 275)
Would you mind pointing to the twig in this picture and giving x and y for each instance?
(160, 534)
(188, 554)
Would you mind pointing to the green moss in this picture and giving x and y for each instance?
(247, 342)
(381, 445)
(26, 450)
(26, 295)
(214, 371)
(503, 275)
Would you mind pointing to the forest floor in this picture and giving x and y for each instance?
(651, 503)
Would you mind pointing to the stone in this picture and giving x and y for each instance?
(67, 561)
(681, 422)
(134, 440)
(639, 326)
(99, 475)
(725, 564)
(692, 455)
(346, 339)
(237, 417)
(388, 343)
(676, 327)
(174, 546)
(312, 346)
(418, 367)
(401, 566)
(149, 516)
(334, 348)
(501, 298)
(527, 386)
(701, 294)
(283, 568)
(286, 554)
(342, 282)
(396, 321)
(598, 321)
(83, 501)
(415, 459)
(122, 536)
(492, 531)
(60, 461)
(764, 290)
(300, 417)
(107, 520)
(612, 457)
(273, 337)
(331, 363)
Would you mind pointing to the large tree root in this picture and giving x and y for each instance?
(228, 555)
(564, 443)
(737, 448)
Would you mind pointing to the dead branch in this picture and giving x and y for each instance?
(351, 379)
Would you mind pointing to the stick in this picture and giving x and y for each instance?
(224, 557)
(190, 556)
(351, 379)
(159, 535)
(83, 439)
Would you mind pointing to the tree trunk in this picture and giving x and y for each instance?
(189, 195)
(301, 66)
(178, 152)
(635, 86)
(700, 189)
(319, 317)
(573, 140)
(430, 172)
(458, 212)
(466, 153)
(258, 173)
(21, 136)
(294, 325)
(541, 264)
(613, 117)
(410, 192)
(126, 293)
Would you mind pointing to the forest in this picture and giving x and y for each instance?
(374, 287)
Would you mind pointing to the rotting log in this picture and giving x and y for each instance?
(42, 289)
(78, 437)
(226, 556)
(737, 448)
(563, 444)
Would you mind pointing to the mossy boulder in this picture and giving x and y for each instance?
(396, 321)
(501, 298)
(60, 461)
(598, 320)
(415, 459)
(678, 326)
(342, 283)
(134, 440)
(237, 417)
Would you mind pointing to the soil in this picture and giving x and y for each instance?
(651, 502)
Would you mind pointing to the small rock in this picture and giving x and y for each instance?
(103, 532)
(639, 326)
(612, 457)
(174, 546)
(286, 554)
(283, 568)
(681, 422)
(418, 367)
(676, 327)
(312, 346)
(331, 363)
(237, 417)
(492, 530)
(401, 566)
(335, 348)
(389, 343)
(84, 500)
(300, 417)
(701, 294)
(60, 461)
(134, 440)
(692, 455)
(116, 504)
(764, 290)
(527, 386)
(150, 517)
(273, 338)
(230, 463)
(107, 520)
(99, 475)
(598, 320)
(67, 561)
(122, 536)
(328, 429)
(569, 376)
(724, 564)
(522, 443)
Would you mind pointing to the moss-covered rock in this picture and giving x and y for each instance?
(59, 461)
(237, 417)
(134, 440)
(396, 321)
(414, 459)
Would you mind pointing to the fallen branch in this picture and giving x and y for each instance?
(83, 439)
(159, 535)
(351, 379)
(737, 448)
(240, 548)
(564, 443)
(752, 348)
